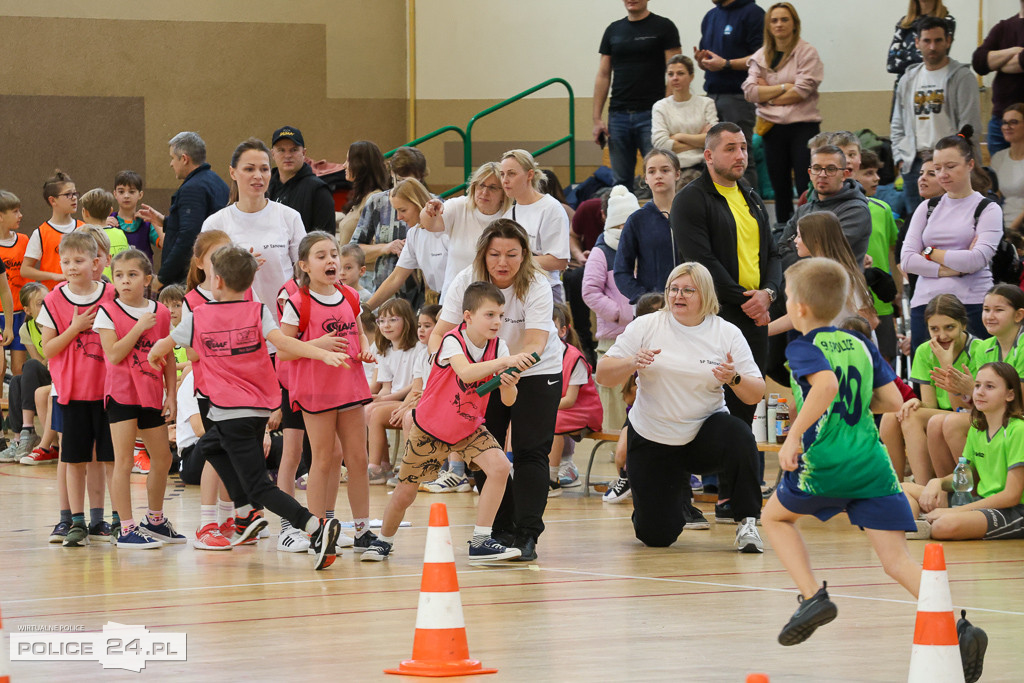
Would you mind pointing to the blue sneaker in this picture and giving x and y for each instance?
(491, 551)
(377, 552)
(60, 532)
(137, 540)
(163, 531)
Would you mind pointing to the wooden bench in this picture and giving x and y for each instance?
(601, 438)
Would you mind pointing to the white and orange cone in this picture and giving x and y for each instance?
(936, 654)
(440, 647)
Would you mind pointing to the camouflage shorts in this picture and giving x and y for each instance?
(424, 454)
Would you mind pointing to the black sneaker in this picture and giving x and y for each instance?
(811, 614)
(695, 519)
(100, 531)
(723, 513)
(527, 546)
(60, 532)
(554, 489)
(323, 541)
(362, 543)
(505, 538)
(377, 552)
(248, 528)
(973, 643)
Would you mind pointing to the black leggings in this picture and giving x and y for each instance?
(235, 449)
(21, 393)
(532, 419)
(658, 474)
(787, 158)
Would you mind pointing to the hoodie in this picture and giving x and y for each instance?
(850, 206)
(308, 195)
(731, 32)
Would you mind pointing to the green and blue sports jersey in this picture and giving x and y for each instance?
(993, 458)
(925, 361)
(988, 351)
(843, 456)
(883, 239)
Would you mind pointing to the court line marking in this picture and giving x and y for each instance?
(763, 588)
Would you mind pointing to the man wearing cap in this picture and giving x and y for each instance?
(294, 184)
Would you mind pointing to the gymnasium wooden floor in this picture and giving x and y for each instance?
(596, 606)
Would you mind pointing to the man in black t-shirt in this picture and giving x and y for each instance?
(634, 52)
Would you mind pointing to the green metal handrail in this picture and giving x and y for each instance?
(467, 139)
(570, 138)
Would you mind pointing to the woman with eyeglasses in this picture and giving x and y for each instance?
(504, 258)
(464, 218)
(782, 79)
(1009, 167)
(687, 358)
(952, 238)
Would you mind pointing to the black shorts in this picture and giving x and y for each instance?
(290, 419)
(147, 418)
(85, 426)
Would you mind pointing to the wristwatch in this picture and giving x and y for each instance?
(772, 296)
(727, 66)
(736, 380)
(927, 253)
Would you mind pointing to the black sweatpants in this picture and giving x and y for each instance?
(657, 474)
(532, 420)
(787, 158)
(21, 393)
(572, 281)
(235, 449)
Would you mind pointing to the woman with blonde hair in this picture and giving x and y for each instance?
(504, 258)
(463, 219)
(686, 358)
(540, 214)
(782, 80)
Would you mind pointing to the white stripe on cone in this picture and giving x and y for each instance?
(934, 592)
(935, 664)
(439, 545)
(439, 610)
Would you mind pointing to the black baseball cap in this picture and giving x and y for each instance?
(288, 133)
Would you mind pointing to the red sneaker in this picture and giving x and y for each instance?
(41, 456)
(210, 538)
(141, 463)
(227, 529)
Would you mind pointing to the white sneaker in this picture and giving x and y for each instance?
(449, 482)
(747, 538)
(292, 541)
(923, 533)
(569, 476)
(28, 443)
(10, 454)
(344, 540)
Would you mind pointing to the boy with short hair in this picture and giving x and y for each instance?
(173, 297)
(353, 266)
(229, 336)
(12, 253)
(42, 255)
(78, 368)
(450, 418)
(97, 204)
(140, 234)
(838, 379)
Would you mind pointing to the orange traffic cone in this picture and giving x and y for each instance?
(757, 678)
(440, 647)
(936, 654)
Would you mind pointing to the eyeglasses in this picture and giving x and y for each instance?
(490, 188)
(685, 292)
(1013, 123)
(829, 171)
(388, 321)
(69, 195)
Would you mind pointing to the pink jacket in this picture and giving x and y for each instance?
(803, 68)
(612, 309)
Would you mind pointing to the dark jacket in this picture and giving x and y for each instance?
(705, 231)
(201, 195)
(734, 31)
(850, 206)
(308, 195)
(645, 255)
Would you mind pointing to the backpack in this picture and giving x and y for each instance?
(1005, 264)
(306, 303)
(883, 148)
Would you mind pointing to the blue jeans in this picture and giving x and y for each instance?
(629, 132)
(995, 138)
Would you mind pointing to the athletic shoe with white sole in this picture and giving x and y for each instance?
(10, 454)
(137, 540)
(324, 541)
(449, 482)
(569, 476)
(362, 543)
(77, 537)
(60, 532)
(41, 456)
(164, 531)
(345, 541)
(923, 533)
(28, 443)
(491, 551)
(100, 531)
(377, 552)
(210, 538)
(695, 520)
(247, 528)
(747, 538)
(618, 492)
(292, 541)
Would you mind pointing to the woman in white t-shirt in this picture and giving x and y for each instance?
(1009, 167)
(680, 121)
(504, 259)
(541, 215)
(270, 230)
(686, 358)
(463, 219)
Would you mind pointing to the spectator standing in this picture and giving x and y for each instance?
(681, 120)
(730, 33)
(1001, 51)
(294, 184)
(903, 51)
(934, 99)
(1009, 166)
(782, 79)
(202, 193)
(634, 51)
(366, 170)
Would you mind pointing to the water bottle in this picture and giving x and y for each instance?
(963, 482)
(770, 410)
(782, 421)
(759, 426)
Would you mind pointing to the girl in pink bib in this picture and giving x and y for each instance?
(330, 398)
